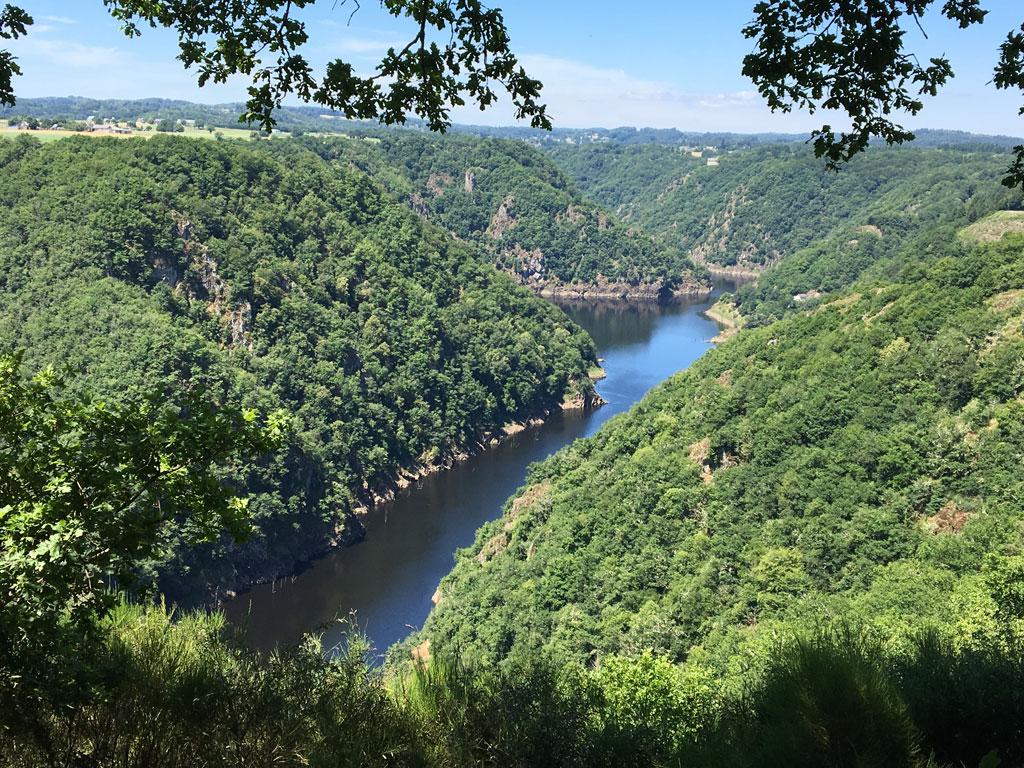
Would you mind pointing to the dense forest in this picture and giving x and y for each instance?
(754, 208)
(504, 196)
(272, 279)
(518, 206)
(859, 460)
(804, 550)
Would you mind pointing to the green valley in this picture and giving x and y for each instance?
(224, 361)
(821, 516)
(857, 460)
(518, 206)
(670, 417)
(271, 279)
(756, 207)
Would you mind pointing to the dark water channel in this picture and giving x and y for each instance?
(387, 580)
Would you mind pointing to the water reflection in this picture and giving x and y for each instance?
(389, 578)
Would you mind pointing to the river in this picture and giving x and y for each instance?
(386, 581)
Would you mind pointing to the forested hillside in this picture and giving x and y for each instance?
(804, 550)
(755, 208)
(859, 461)
(272, 279)
(518, 206)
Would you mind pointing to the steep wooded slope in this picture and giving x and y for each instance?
(758, 207)
(858, 460)
(517, 205)
(273, 279)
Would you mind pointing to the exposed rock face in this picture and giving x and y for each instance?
(753, 259)
(811, 295)
(502, 220)
(469, 181)
(419, 204)
(614, 290)
(951, 519)
(207, 284)
(735, 272)
(606, 290)
(571, 214)
(165, 270)
(437, 182)
(532, 498)
(700, 454)
(528, 268)
(492, 547)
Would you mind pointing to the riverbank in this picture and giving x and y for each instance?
(351, 530)
(428, 466)
(659, 292)
(389, 579)
(727, 316)
(735, 274)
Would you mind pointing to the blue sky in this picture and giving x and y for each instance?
(654, 63)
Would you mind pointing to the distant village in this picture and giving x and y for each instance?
(101, 125)
(110, 126)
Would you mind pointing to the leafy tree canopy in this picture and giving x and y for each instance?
(89, 490)
(809, 54)
(459, 51)
(852, 57)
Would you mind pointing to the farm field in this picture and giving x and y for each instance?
(46, 135)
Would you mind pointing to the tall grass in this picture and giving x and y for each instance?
(181, 694)
(826, 700)
(163, 693)
(530, 712)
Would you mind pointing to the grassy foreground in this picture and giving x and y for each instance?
(163, 694)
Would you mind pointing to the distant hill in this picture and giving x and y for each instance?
(519, 207)
(506, 197)
(319, 119)
(746, 211)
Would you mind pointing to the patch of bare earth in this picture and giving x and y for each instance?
(700, 454)
(527, 500)
(951, 519)
(995, 227)
(438, 182)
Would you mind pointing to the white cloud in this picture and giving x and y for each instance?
(58, 67)
(581, 95)
(65, 53)
(363, 45)
(60, 19)
(725, 100)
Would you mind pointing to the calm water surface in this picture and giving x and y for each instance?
(387, 580)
